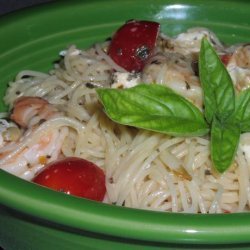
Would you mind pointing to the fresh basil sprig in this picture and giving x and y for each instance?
(158, 108)
(227, 115)
(224, 143)
(216, 83)
(154, 107)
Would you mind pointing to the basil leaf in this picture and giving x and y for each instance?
(242, 110)
(224, 143)
(219, 97)
(153, 107)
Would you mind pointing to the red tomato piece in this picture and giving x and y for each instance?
(74, 176)
(133, 44)
(225, 58)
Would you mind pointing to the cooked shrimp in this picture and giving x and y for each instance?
(37, 145)
(175, 71)
(239, 66)
(29, 111)
(189, 42)
(25, 159)
(175, 63)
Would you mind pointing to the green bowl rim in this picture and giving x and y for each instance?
(87, 215)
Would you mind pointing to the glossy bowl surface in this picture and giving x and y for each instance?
(32, 217)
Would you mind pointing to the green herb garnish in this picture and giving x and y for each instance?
(158, 108)
(154, 107)
(224, 143)
(219, 101)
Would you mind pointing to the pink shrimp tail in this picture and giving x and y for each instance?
(27, 107)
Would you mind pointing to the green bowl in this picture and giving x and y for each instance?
(32, 217)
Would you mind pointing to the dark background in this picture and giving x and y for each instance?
(7, 6)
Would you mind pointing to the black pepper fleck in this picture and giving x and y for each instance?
(155, 62)
(119, 52)
(142, 52)
(207, 172)
(90, 85)
(187, 86)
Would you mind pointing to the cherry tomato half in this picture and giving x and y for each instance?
(133, 43)
(74, 176)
